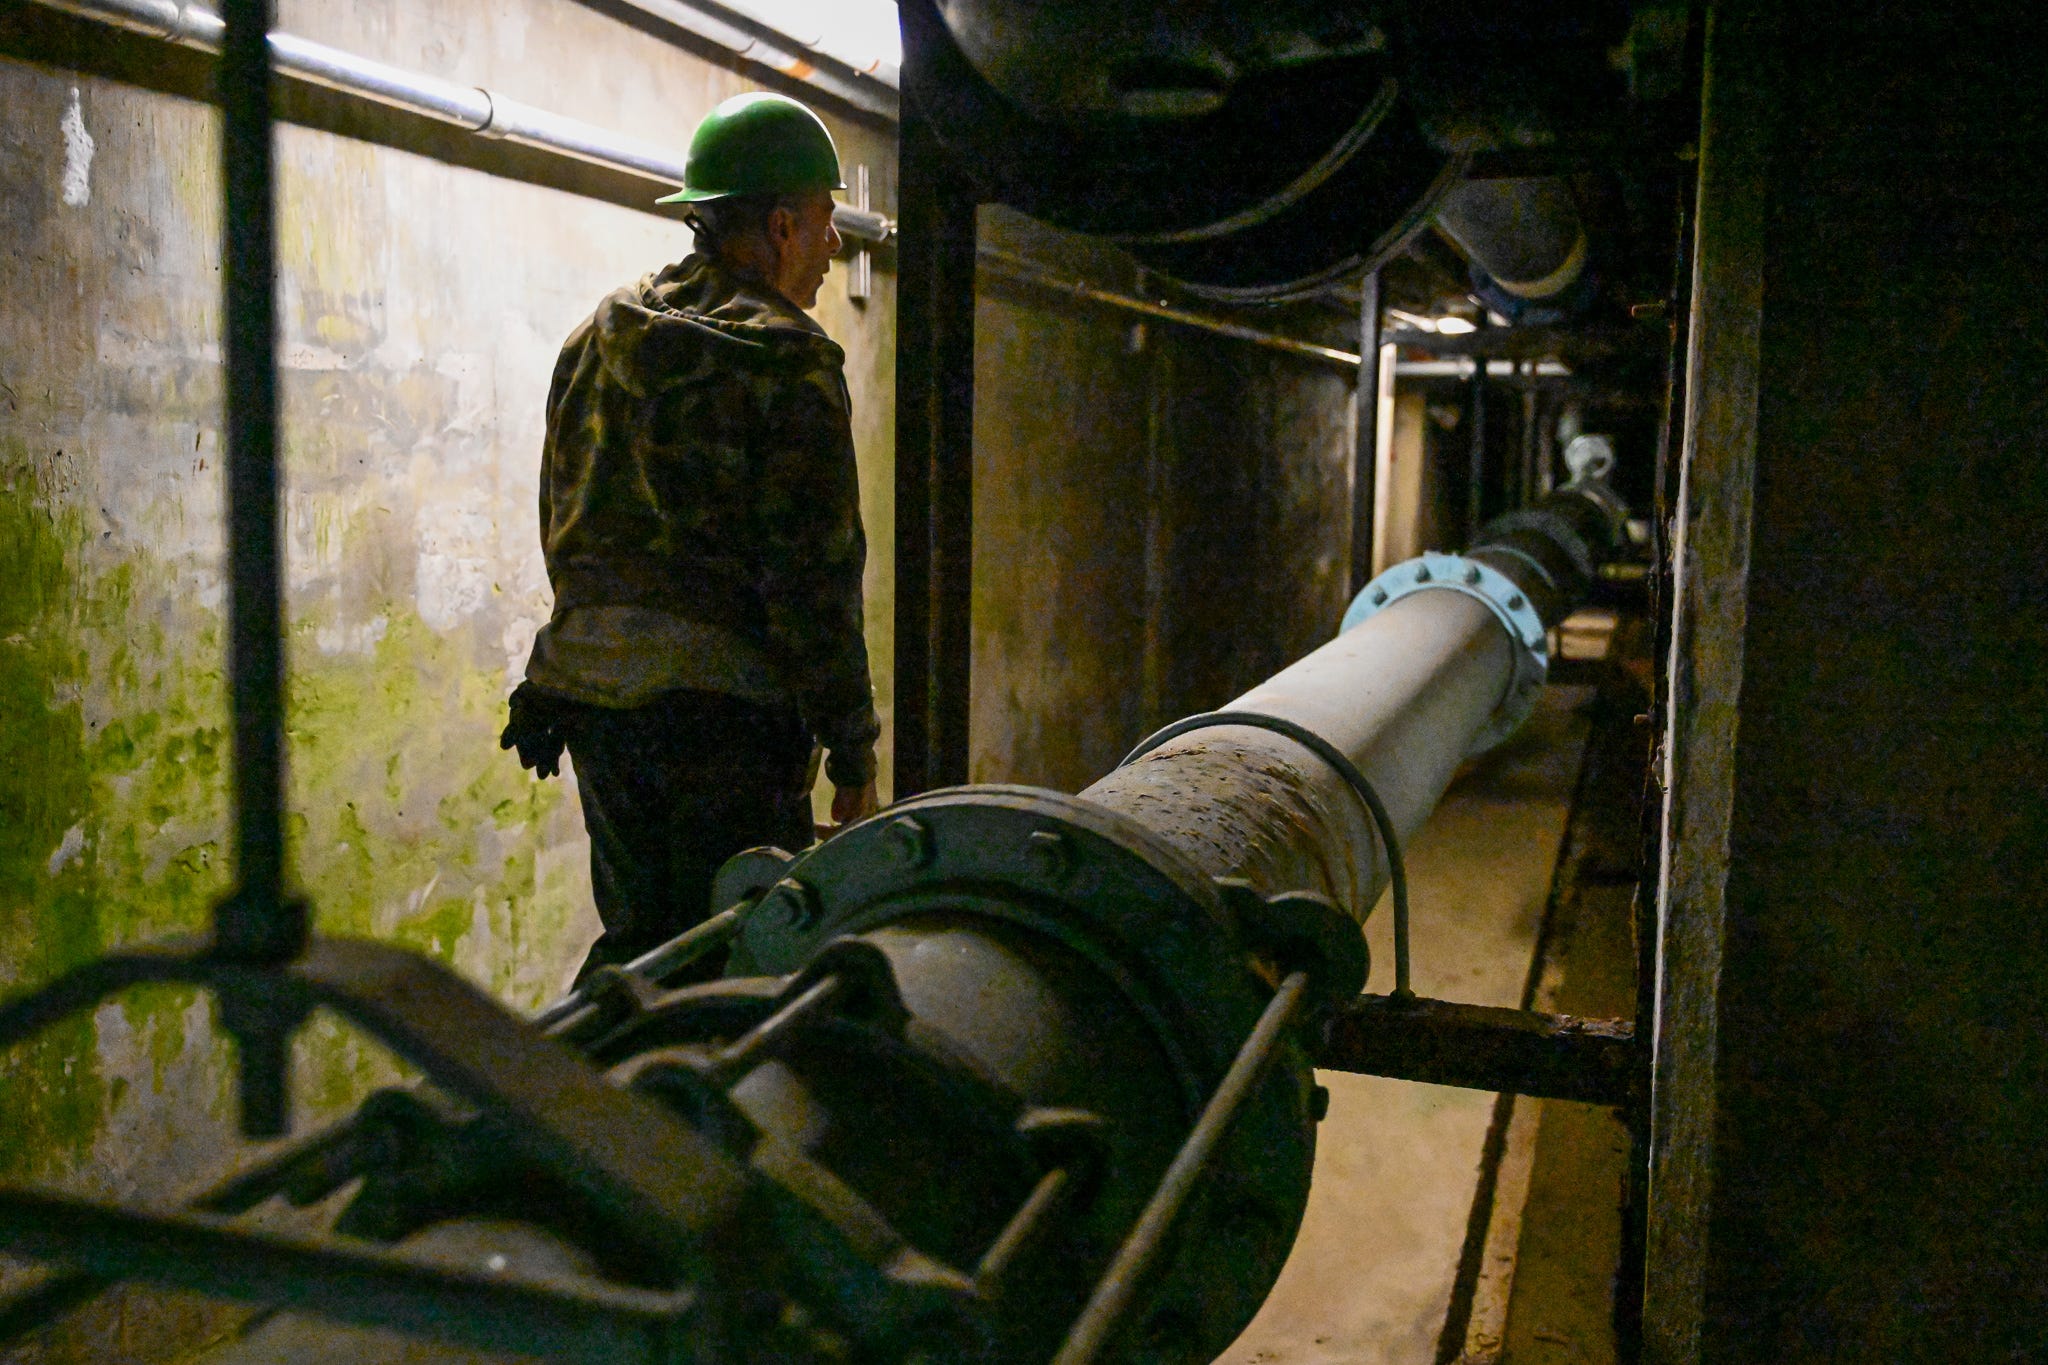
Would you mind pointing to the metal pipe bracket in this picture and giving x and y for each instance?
(1503, 597)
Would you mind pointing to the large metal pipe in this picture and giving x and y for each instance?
(997, 1075)
(1525, 240)
(1443, 663)
(1401, 695)
(483, 112)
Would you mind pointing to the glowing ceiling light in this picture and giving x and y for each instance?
(1456, 326)
(861, 33)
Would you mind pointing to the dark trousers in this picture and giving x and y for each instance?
(670, 791)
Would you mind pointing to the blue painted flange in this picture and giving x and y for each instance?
(1517, 616)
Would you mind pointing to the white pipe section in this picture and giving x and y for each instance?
(1463, 367)
(1402, 695)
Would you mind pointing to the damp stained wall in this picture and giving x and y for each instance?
(421, 307)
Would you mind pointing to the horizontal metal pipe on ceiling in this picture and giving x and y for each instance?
(747, 31)
(1464, 368)
(1524, 232)
(1027, 271)
(473, 108)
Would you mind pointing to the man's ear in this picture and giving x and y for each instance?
(781, 225)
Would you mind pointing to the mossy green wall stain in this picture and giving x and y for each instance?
(408, 823)
(414, 371)
(47, 912)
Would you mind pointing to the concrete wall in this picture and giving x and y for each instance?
(422, 305)
(1853, 1039)
(1162, 516)
(1163, 519)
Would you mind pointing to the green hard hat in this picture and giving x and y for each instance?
(758, 144)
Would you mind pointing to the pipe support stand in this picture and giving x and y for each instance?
(1502, 596)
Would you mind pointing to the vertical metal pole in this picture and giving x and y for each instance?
(1525, 486)
(1476, 501)
(1158, 523)
(934, 461)
(860, 271)
(1365, 463)
(255, 924)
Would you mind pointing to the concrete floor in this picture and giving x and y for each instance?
(1398, 1165)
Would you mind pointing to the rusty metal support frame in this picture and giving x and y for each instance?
(934, 458)
(649, 1173)
(1521, 1051)
(1485, 1047)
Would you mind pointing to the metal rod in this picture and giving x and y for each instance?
(471, 108)
(653, 966)
(59, 1289)
(741, 1053)
(1477, 465)
(1365, 434)
(1021, 1231)
(586, 1320)
(1028, 271)
(1525, 488)
(254, 924)
(1121, 1282)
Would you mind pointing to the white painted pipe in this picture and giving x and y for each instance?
(480, 111)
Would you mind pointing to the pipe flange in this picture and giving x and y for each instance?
(1104, 885)
(1503, 597)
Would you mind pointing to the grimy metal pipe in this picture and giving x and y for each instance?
(485, 113)
(1006, 1074)
(1444, 663)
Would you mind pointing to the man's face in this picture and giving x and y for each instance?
(805, 243)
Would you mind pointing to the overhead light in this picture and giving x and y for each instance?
(1456, 326)
(861, 33)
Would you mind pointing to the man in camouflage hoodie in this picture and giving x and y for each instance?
(700, 518)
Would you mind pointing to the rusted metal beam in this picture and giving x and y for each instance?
(934, 464)
(1483, 1047)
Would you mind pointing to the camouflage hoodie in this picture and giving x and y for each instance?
(699, 509)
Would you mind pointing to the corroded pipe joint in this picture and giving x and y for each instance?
(1083, 964)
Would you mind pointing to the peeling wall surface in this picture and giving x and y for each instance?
(421, 306)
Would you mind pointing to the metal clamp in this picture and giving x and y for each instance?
(1509, 604)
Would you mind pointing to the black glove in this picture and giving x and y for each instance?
(536, 729)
